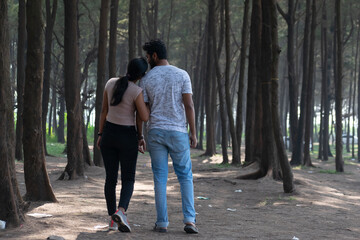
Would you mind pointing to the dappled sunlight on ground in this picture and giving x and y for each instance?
(324, 206)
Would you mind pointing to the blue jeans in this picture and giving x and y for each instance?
(161, 143)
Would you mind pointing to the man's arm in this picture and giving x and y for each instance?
(190, 116)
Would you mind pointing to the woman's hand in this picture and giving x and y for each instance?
(98, 142)
(142, 146)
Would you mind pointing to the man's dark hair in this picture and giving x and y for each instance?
(156, 45)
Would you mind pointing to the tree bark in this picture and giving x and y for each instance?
(244, 44)
(139, 31)
(310, 90)
(20, 78)
(287, 175)
(255, 42)
(37, 181)
(50, 21)
(325, 82)
(61, 128)
(75, 166)
(112, 36)
(268, 151)
(101, 75)
(293, 82)
(338, 88)
(210, 134)
(221, 92)
(132, 28)
(152, 8)
(235, 146)
(297, 154)
(10, 201)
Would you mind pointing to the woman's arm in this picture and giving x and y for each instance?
(103, 114)
(142, 115)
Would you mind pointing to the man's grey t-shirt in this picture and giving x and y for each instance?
(163, 87)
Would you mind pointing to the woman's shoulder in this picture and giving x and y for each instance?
(111, 82)
(134, 86)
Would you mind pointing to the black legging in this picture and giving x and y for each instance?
(119, 144)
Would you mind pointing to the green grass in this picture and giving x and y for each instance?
(328, 171)
(220, 165)
(56, 149)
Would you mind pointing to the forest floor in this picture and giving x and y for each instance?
(325, 205)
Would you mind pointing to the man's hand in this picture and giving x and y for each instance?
(142, 146)
(193, 141)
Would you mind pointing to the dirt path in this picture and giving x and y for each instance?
(326, 206)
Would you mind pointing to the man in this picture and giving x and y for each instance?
(167, 90)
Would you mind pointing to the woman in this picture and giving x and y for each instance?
(118, 139)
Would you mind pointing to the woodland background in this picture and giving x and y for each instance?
(269, 78)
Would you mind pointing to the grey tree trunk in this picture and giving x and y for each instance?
(297, 154)
(244, 44)
(101, 75)
(132, 28)
(310, 90)
(112, 36)
(20, 78)
(50, 21)
(210, 129)
(74, 145)
(10, 200)
(37, 181)
(255, 42)
(339, 162)
(235, 146)
(287, 175)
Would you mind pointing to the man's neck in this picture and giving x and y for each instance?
(162, 62)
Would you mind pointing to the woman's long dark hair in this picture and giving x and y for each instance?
(136, 69)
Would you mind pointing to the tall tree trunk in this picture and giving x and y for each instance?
(297, 155)
(196, 76)
(75, 166)
(255, 43)
(132, 28)
(37, 181)
(112, 36)
(310, 90)
(235, 146)
(50, 120)
(354, 94)
(61, 128)
(268, 151)
(139, 32)
(222, 109)
(101, 74)
(338, 88)
(20, 78)
(10, 200)
(349, 115)
(326, 82)
(244, 44)
(324, 88)
(50, 21)
(293, 81)
(210, 129)
(152, 17)
(287, 174)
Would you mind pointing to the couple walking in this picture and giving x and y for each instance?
(164, 99)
